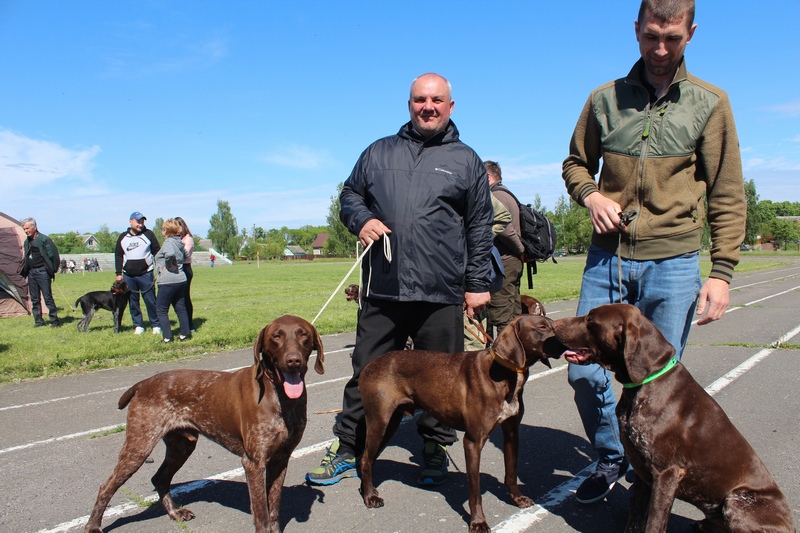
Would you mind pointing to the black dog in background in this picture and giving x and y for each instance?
(115, 300)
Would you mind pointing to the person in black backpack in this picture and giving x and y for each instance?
(505, 303)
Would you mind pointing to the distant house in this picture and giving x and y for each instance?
(293, 251)
(90, 242)
(319, 243)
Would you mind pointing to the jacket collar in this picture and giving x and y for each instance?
(635, 75)
(449, 135)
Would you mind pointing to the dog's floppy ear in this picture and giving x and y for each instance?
(646, 350)
(264, 365)
(319, 364)
(508, 347)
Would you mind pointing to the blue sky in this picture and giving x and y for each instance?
(167, 106)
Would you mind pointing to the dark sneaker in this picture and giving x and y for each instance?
(599, 484)
(334, 467)
(434, 464)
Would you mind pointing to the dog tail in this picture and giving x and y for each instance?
(127, 396)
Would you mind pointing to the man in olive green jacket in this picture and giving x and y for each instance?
(668, 144)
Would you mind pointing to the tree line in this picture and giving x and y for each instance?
(573, 227)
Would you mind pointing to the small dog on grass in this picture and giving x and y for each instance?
(114, 300)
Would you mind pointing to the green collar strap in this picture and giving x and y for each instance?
(653, 376)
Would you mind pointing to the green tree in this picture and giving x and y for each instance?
(156, 229)
(753, 214)
(340, 240)
(106, 240)
(783, 231)
(69, 243)
(224, 232)
(573, 225)
(273, 244)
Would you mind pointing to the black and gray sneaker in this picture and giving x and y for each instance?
(434, 464)
(599, 484)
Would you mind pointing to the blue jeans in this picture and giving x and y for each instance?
(144, 285)
(666, 291)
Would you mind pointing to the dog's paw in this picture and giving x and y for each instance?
(479, 526)
(373, 501)
(522, 502)
(183, 514)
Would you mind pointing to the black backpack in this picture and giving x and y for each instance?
(537, 233)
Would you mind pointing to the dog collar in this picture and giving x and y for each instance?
(504, 363)
(655, 375)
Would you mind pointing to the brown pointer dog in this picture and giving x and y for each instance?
(258, 413)
(677, 438)
(468, 391)
(531, 306)
(351, 292)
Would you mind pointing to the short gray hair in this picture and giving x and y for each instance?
(31, 221)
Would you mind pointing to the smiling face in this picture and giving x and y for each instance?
(662, 45)
(137, 225)
(430, 104)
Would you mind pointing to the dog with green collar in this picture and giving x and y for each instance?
(679, 441)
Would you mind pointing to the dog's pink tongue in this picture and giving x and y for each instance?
(576, 356)
(293, 385)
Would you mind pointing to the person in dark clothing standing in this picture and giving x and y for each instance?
(40, 264)
(505, 304)
(422, 197)
(133, 258)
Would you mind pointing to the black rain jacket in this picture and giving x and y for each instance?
(434, 196)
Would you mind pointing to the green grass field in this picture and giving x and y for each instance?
(231, 303)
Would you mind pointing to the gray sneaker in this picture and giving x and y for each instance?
(334, 467)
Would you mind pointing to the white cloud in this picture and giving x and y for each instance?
(26, 163)
(775, 164)
(789, 109)
(298, 156)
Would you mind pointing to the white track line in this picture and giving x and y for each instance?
(108, 428)
(66, 398)
(59, 439)
(517, 522)
(108, 391)
(177, 490)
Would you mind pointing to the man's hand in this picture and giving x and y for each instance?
(475, 301)
(715, 294)
(604, 213)
(119, 278)
(373, 230)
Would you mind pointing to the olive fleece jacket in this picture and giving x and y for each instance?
(663, 160)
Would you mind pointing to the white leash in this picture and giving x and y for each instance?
(387, 250)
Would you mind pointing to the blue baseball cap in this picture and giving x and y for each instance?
(138, 216)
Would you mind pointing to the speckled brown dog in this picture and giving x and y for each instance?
(468, 391)
(679, 441)
(258, 413)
